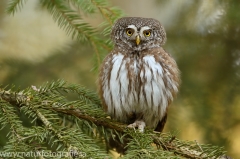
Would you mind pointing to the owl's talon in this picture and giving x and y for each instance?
(139, 124)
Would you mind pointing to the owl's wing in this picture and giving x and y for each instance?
(171, 78)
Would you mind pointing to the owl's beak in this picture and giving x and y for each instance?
(138, 39)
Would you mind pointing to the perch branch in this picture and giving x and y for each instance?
(172, 144)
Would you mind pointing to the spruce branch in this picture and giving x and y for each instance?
(18, 134)
(34, 104)
(69, 20)
(11, 119)
(48, 103)
(15, 5)
(84, 5)
(72, 22)
(59, 86)
(106, 12)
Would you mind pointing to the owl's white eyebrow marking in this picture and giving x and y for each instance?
(144, 28)
(132, 27)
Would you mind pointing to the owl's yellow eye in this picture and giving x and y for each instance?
(129, 32)
(147, 33)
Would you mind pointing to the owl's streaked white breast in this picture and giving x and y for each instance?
(136, 86)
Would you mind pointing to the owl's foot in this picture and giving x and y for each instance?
(139, 124)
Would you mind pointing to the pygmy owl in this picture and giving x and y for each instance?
(138, 79)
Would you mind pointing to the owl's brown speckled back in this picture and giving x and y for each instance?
(138, 79)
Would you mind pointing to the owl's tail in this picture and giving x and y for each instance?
(161, 124)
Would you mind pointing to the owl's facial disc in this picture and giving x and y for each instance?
(138, 34)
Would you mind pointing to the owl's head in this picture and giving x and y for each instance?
(137, 33)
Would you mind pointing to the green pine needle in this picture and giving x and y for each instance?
(14, 6)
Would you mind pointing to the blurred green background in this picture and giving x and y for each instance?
(203, 37)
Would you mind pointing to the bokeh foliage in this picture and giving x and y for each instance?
(209, 61)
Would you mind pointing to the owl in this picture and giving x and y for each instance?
(138, 79)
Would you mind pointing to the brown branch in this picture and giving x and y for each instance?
(105, 122)
(168, 145)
